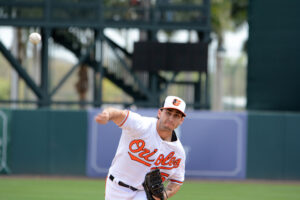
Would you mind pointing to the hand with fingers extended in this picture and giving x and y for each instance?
(102, 118)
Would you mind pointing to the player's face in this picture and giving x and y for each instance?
(169, 119)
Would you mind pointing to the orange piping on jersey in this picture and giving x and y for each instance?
(173, 180)
(125, 119)
(138, 160)
(167, 168)
(164, 174)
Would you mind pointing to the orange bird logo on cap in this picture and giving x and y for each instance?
(176, 102)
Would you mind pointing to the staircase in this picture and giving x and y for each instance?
(116, 63)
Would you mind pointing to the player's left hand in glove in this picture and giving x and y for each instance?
(153, 185)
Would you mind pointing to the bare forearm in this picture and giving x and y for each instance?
(115, 115)
(171, 189)
(111, 114)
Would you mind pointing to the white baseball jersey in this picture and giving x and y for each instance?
(141, 149)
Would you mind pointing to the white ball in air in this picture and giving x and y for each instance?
(35, 38)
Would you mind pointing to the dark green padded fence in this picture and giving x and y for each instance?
(273, 145)
(273, 52)
(5, 117)
(48, 142)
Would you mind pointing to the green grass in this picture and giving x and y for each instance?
(48, 189)
(14, 188)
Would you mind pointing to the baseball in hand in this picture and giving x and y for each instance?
(35, 38)
(102, 118)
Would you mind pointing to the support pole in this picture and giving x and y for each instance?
(45, 101)
(14, 92)
(218, 87)
(153, 78)
(197, 92)
(99, 71)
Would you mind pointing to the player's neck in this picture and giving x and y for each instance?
(165, 135)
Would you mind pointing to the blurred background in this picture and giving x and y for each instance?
(235, 63)
(124, 45)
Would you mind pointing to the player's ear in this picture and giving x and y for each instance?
(182, 119)
(159, 113)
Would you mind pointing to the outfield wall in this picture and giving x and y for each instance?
(218, 144)
(47, 142)
(273, 145)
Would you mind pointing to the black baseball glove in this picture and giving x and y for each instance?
(153, 185)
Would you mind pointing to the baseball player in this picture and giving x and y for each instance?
(146, 143)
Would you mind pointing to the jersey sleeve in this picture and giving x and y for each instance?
(178, 176)
(134, 124)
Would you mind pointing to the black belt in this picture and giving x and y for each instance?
(111, 177)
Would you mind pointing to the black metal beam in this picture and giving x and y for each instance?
(153, 83)
(126, 104)
(197, 89)
(99, 71)
(113, 24)
(115, 45)
(45, 68)
(21, 72)
(82, 59)
(19, 101)
(97, 15)
(206, 92)
(183, 82)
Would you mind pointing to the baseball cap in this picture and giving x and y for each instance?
(174, 102)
